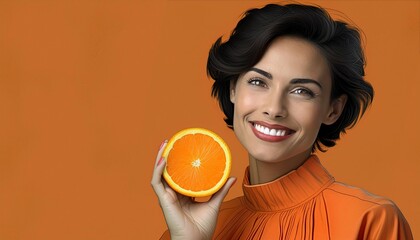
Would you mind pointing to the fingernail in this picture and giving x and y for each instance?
(160, 161)
(161, 145)
(234, 181)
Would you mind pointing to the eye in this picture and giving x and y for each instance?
(304, 92)
(257, 82)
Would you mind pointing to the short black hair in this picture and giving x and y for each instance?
(338, 41)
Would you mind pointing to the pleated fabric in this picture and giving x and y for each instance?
(308, 203)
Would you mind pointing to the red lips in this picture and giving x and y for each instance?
(269, 138)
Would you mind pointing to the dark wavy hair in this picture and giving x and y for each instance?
(338, 41)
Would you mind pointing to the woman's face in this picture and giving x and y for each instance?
(282, 101)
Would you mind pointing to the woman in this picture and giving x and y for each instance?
(289, 80)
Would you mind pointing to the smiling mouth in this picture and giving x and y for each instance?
(270, 132)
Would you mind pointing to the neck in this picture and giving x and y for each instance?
(263, 172)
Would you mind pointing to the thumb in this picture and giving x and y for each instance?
(217, 198)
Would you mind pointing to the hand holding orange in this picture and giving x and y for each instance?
(198, 162)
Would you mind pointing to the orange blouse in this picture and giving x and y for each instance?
(308, 203)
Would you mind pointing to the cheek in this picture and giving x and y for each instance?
(245, 103)
(308, 115)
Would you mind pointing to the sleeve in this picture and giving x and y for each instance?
(385, 221)
(165, 236)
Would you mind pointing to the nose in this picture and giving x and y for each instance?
(275, 106)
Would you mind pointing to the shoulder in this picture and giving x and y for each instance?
(374, 216)
(347, 193)
(359, 201)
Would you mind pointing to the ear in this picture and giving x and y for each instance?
(232, 91)
(336, 109)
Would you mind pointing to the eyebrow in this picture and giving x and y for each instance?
(293, 81)
(305, 80)
(262, 72)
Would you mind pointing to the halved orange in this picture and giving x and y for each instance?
(198, 162)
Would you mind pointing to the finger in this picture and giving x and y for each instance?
(160, 152)
(182, 199)
(217, 198)
(157, 179)
(160, 164)
(169, 190)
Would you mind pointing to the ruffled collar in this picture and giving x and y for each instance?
(290, 190)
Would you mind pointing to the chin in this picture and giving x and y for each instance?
(264, 155)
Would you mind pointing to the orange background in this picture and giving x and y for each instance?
(89, 89)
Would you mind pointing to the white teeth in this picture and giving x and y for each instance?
(271, 132)
(266, 131)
